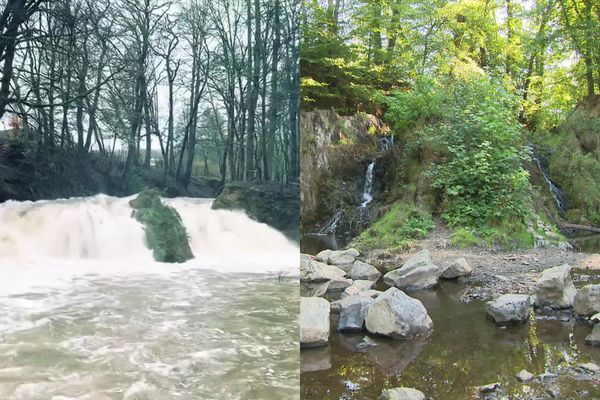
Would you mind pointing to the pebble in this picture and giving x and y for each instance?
(490, 387)
(524, 375)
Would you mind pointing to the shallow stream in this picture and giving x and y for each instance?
(464, 350)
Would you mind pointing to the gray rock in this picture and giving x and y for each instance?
(314, 321)
(509, 309)
(363, 271)
(352, 315)
(457, 268)
(366, 342)
(417, 273)
(338, 257)
(595, 318)
(358, 287)
(490, 387)
(524, 375)
(587, 300)
(338, 284)
(396, 315)
(593, 339)
(313, 289)
(314, 271)
(555, 288)
(590, 367)
(336, 306)
(402, 393)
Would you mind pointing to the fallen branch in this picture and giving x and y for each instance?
(566, 225)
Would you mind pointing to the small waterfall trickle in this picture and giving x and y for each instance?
(331, 226)
(367, 196)
(557, 194)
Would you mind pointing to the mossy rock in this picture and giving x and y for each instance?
(165, 232)
(272, 204)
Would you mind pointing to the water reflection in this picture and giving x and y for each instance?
(465, 350)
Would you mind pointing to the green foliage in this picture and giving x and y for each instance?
(424, 102)
(464, 238)
(480, 176)
(165, 232)
(396, 229)
(507, 234)
(575, 166)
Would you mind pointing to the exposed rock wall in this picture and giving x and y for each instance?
(334, 146)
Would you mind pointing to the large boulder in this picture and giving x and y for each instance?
(363, 271)
(555, 288)
(314, 321)
(509, 309)
(457, 268)
(358, 287)
(587, 300)
(396, 315)
(314, 271)
(417, 273)
(342, 258)
(336, 306)
(402, 393)
(352, 316)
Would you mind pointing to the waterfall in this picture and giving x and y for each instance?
(367, 196)
(99, 235)
(331, 226)
(557, 194)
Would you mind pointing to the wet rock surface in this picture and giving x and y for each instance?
(509, 309)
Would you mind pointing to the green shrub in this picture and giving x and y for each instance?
(480, 174)
(165, 232)
(464, 238)
(396, 229)
(575, 167)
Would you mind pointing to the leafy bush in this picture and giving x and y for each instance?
(396, 229)
(464, 238)
(165, 233)
(480, 175)
(423, 103)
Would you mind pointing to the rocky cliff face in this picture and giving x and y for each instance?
(335, 151)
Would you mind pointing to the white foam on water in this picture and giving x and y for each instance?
(78, 283)
(98, 235)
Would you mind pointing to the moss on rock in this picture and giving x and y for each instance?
(165, 232)
(272, 204)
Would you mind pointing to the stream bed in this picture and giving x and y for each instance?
(464, 350)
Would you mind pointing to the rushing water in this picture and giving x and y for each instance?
(367, 196)
(85, 312)
(465, 350)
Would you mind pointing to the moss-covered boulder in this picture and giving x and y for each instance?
(272, 204)
(165, 232)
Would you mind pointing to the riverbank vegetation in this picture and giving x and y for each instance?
(122, 94)
(479, 96)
